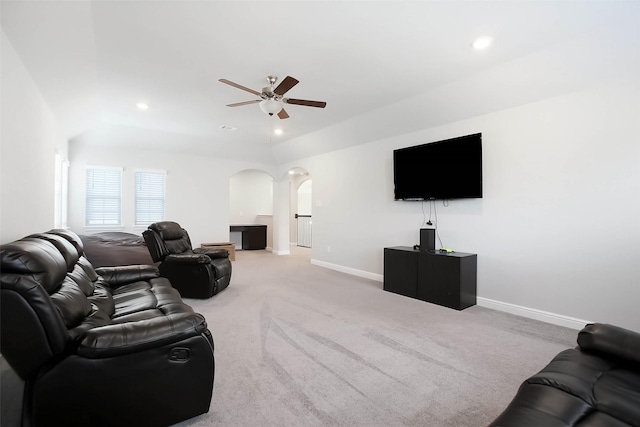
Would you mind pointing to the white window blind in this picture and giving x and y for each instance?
(104, 188)
(150, 195)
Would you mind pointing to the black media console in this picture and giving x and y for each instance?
(447, 279)
(254, 236)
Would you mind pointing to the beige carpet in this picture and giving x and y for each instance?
(300, 345)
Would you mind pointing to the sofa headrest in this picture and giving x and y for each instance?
(72, 237)
(610, 340)
(68, 251)
(36, 257)
(168, 230)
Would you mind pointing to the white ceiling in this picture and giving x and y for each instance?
(94, 60)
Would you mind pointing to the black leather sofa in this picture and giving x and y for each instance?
(113, 346)
(596, 384)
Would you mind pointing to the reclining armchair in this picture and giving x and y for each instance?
(195, 273)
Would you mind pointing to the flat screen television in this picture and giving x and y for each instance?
(448, 169)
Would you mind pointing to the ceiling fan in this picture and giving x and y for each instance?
(272, 99)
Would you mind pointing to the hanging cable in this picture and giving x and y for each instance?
(436, 217)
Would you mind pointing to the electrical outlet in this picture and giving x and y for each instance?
(328, 248)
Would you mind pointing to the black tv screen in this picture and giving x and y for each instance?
(448, 169)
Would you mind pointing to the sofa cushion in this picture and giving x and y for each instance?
(95, 319)
(71, 303)
(618, 395)
(80, 278)
(102, 299)
(155, 294)
(573, 372)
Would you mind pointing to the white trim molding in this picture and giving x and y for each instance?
(348, 270)
(533, 313)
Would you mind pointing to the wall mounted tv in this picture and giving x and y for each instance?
(448, 169)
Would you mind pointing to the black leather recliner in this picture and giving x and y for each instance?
(112, 346)
(195, 273)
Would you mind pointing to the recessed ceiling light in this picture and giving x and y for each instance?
(482, 42)
(142, 106)
(277, 131)
(225, 127)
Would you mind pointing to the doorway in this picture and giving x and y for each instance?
(303, 215)
(250, 203)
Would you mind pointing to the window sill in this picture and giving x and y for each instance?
(99, 228)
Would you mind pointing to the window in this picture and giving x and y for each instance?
(104, 187)
(150, 193)
(61, 191)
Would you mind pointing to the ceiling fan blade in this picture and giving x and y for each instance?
(318, 104)
(285, 85)
(230, 83)
(238, 104)
(283, 114)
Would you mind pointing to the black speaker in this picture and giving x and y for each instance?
(427, 239)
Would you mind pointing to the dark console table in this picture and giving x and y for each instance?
(254, 236)
(447, 279)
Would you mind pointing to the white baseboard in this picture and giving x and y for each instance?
(287, 252)
(518, 310)
(533, 313)
(348, 270)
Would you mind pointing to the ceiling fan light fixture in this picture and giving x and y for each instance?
(271, 106)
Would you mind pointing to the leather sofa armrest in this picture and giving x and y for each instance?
(610, 340)
(125, 338)
(121, 275)
(212, 253)
(188, 259)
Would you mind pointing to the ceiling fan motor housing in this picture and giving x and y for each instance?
(268, 93)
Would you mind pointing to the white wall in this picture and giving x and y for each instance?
(30, 139)
(197, 187)
(557, 229)
(250, 195)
